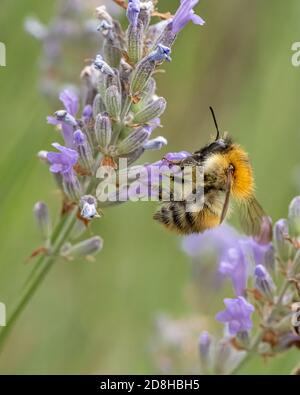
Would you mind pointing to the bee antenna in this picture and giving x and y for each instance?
(216, 123)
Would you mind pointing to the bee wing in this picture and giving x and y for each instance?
(251, 216)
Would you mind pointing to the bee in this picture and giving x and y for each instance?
(227, 175)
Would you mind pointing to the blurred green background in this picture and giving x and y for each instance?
(98, 317)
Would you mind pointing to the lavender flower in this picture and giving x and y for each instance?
(185, 14)
(237, 315)
(234, 266)
(62, 162)
(70, 101)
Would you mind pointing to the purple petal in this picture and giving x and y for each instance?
(70, 101)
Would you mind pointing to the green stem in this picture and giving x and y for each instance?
(45, 263)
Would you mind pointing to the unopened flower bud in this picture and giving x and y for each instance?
(155, 144)
(153, 110)
(146, 9)
(148, 92)
(84, 150)
(113, 101)
(64, 116)
(103, 130)
(294, 217)
(42, 155)
(132, 142)
(133, 10)
(42, 216)
(98, 105)
(264, 282)
(145, 68)
(72, 187)
(88, 204)
(84, 248)
(102, 14)
(205, 342)
(282, 245)
(135, 37)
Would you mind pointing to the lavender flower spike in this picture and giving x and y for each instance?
(185, 14)
(133, 11)
(237, 315)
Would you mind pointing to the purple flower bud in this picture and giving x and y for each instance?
(84, 248)
(101, 65)
(133, 11)
(87, 113)
(237, 315)
(103, 130)
(263, 282)
(42, 216)
(135, 42)
(84, 150)
(205, 341)
(98, 105)
(146, 67)
(294, 217)
(282, 245)
(153, 110)
(132, 142)
(155, 144)
(185, 14)
(113, 101)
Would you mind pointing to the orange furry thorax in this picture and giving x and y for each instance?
(243, 182)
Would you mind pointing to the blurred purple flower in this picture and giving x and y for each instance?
(234, 265)
(62, 162)
(219, 239)
(184, 14)
(237, 315)
(260, 254)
